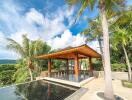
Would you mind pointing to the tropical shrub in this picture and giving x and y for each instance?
(57, 64)
(119, 67)
(98, 65)
(6, 74)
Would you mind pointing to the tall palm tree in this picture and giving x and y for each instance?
(23, 50)
(105, 8)
(122, 28)
(122, 37)
(28, 50)
(94, 32)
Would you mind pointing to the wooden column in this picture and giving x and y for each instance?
(49, 67)
(67, 64)
(76, 66)
(90, 64)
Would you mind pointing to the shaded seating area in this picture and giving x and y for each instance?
(74, 54)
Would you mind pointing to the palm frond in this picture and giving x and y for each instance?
(114, 7)
(26, 43)
(13, 45)
(73, 2)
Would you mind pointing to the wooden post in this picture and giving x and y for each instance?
(67, 65)
(49, 67)
(76, 67)
(91, 67)
(90, 64)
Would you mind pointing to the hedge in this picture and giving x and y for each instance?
(6, 74)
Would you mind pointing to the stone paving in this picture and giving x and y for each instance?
(98, 85)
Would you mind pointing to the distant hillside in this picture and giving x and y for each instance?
(7, 61)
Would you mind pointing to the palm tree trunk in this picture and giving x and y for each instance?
(101, 50)
(30, 73)
(107, 68)
(30, 69)
(128, 64)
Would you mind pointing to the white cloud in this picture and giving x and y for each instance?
(34, 22)
(33, 16)
(2, 38)
(79, 40)
(60, 42)
(66, 39)
(94, 45)
(4, 53)
(36, 25)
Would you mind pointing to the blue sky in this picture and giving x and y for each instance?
(41, 19)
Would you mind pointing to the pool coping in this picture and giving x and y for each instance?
(66, 82)
(77, 94)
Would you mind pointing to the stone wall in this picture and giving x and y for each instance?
(115, 75)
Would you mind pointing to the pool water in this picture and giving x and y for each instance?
(37, 90)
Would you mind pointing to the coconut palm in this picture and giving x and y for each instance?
(23, 50)
(106, 8)
(122, 34)
(94, 32)
(122, 37)
(28, 50)
(124, 20)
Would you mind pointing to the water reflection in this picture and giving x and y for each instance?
(39, 90)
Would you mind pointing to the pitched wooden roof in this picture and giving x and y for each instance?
(83, 51)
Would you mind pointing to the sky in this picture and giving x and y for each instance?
(49, 21)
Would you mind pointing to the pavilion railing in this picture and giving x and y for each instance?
(63, 72)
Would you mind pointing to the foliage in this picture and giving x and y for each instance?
(114, 66)
(57, 64)
(117, 56)
(98, 65)
(94, 31)
(122, 36)
(112, 7)
(6, 74)
(21, 75)
(119, 67)
(28, 50)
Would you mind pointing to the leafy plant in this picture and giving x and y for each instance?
(119, 67)
(28, 50)
(6, 74)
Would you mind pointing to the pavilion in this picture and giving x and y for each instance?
(71, 53)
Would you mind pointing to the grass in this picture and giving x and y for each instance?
(127, 84)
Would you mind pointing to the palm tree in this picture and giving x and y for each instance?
(23, 51)
(122, 28)
(122, 37)
(27, 51)
(94, 32)
(106, 8)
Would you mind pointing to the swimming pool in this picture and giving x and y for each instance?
(36, 90)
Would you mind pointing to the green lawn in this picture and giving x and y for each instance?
(126, 84)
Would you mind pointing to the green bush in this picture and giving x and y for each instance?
(98, 65)
(115, 67)
(119, 67)
(4, 67)
(6, 74)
